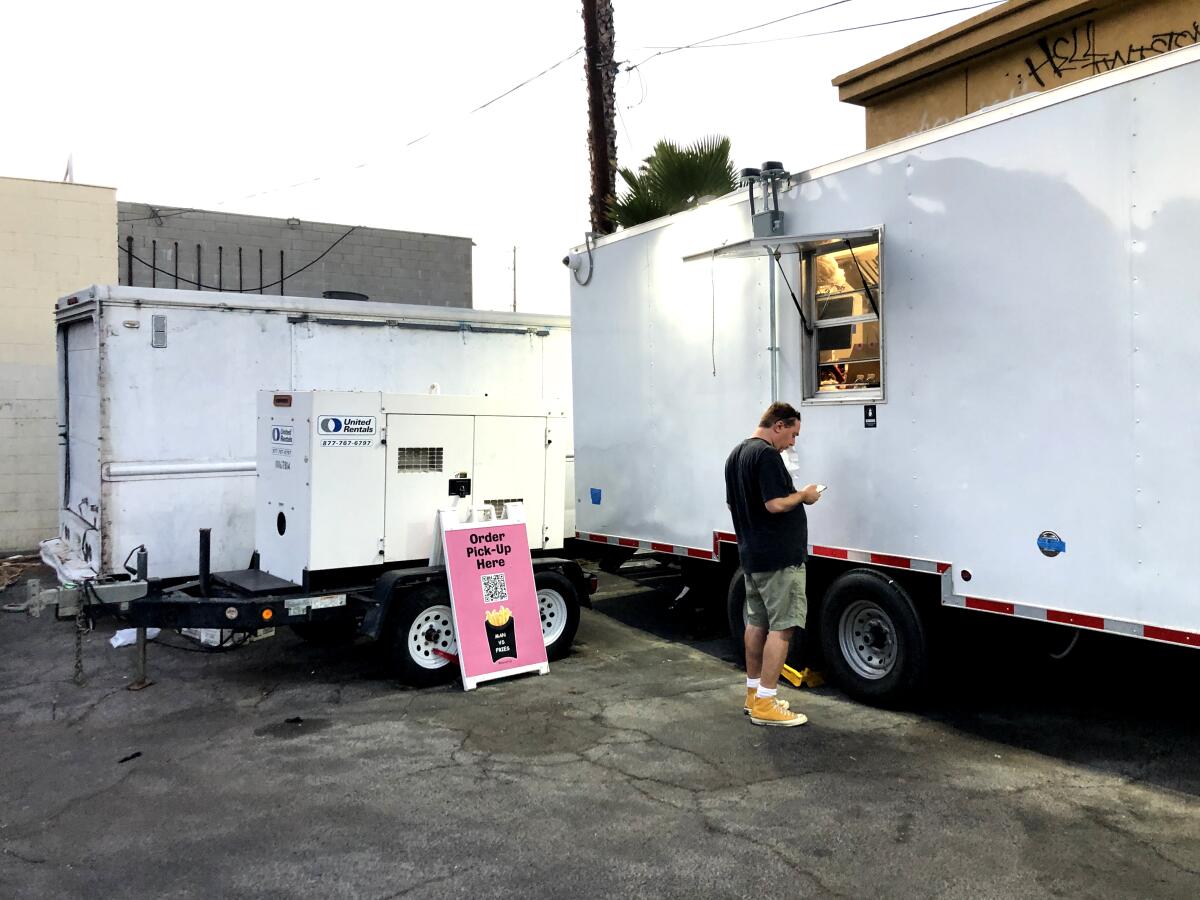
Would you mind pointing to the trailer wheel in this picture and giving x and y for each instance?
(735, 602)
(803, 650)
(558, 604)
(422, 637)
(872, 637)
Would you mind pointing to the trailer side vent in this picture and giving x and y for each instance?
(498, 505)
(158, 331)
(419, 459)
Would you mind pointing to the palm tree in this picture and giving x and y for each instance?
(674, 178)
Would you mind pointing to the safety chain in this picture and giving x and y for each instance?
(79, 630)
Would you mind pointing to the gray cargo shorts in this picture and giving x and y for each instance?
(776, 600)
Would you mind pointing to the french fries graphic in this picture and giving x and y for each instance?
(498, 617)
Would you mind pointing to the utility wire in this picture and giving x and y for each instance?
(250, 290)
(422, 137)
(796, 37)
(545, 71)
(803, 12)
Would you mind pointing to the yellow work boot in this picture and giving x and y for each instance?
(751, 693)
(769, 711)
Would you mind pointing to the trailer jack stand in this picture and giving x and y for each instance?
(140, 681)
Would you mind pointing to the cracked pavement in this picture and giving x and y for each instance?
(630, 771)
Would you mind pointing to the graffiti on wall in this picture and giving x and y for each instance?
(1076, 51)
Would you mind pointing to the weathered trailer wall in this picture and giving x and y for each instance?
(52, 237)
(1037, 312)
(175, 424)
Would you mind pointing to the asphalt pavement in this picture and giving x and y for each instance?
(283, 770)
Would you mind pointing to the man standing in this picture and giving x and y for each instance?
(772, 536)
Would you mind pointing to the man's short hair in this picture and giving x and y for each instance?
(779, 412)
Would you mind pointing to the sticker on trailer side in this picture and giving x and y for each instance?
(344, 426)
(350, 431)
(281, 434)
(296, 606)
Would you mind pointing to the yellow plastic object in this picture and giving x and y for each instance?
(803, 678)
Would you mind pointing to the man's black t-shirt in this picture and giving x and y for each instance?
(754, 474)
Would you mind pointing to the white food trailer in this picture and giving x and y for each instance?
(991, 343)
(157, 414)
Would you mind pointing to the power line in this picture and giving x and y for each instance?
(259, 288)
(422, 137)
(796, 37)
(546, 71)
(803, 12)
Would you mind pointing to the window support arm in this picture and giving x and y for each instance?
(863, 278)
(808, 329)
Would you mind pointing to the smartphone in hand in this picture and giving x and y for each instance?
(821, 488)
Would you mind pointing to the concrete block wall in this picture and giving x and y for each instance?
(54, 238)
(388, 266)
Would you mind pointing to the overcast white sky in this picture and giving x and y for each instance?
(309, 109)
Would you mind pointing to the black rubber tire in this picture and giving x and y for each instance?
(333, 633)
(407, 606)
(735, 604)
(556, 581)
(911, 663)
(612, 559)
(803, 651)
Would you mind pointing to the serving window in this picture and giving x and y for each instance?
(845, 347)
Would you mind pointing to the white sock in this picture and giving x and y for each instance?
(751, 684)
(767, 692)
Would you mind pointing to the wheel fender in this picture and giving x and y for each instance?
(377, 614)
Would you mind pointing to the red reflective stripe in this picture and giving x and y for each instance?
(834, 552)
(989, 605)
(666, 548)
(625, 542)
(1066, 618)
(884, 560)
(943, 567)
(726, 537)
(699, 554)
(1170, 634)
(598, 538)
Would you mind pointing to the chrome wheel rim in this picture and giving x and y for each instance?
(552, 607)
(867, 637)
(431, 631)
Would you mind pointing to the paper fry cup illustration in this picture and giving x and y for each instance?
(502, 635)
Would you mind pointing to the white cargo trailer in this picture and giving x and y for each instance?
(157, 402)
(993, 367)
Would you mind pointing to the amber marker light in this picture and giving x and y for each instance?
(267, 614)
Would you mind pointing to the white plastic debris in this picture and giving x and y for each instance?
(126, 636)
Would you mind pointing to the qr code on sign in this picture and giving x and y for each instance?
(494, 588)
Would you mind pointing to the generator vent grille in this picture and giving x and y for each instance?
(498, 505)
(419, 459)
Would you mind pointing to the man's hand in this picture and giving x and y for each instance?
(809, 495)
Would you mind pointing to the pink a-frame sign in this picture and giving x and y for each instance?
(493, 599)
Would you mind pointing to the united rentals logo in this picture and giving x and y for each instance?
(346, 425)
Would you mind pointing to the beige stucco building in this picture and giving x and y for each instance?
(1010, 50)
(54, 237)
